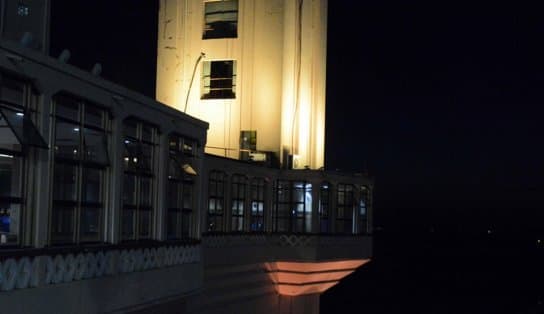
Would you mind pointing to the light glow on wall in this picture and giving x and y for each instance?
(298, 278)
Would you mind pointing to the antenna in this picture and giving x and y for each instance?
(202, 56)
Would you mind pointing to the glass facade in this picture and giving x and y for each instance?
(81, 146)
(345, 203)
(138, 197)
(238, 198)
(257, 222)
(293, 207)
(216, 201)
(220, 19)
(180, 188)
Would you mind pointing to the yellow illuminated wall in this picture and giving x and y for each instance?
(280, 55)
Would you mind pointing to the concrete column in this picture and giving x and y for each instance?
(227, 205)
(247, 206)
(113, 232)
(316, 188)
(41, 189)
(162, 179)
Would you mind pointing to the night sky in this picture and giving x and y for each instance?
(440, 102)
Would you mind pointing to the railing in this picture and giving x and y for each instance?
(41, 270)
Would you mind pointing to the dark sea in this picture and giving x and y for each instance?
(432, 271)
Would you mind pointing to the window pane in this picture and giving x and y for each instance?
(128, 222)
(145, 191)
(62, 224)
(96, 146)
(147, 133)
(10, 176)
(64, 182)
(11, 90)
(130, 128)
(94, 116)
(129, 189)
(145, 223)
(67, 140)
(187, 196)
(67, 107)
(221, 19)
(9, 222)
(90, 228)
(22, 127)
(174, 195)
(8, 140)
(91, 185)
(147, 157)
(172, 224)
(132, 154)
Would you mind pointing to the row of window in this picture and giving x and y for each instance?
(81, 172)
(291, 206)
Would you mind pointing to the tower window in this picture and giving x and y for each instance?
(220, 19)
(219, 79)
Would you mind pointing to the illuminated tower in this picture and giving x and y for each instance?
(254, 69)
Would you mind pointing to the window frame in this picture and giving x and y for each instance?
(292, 218)
(208, 76)
(24, 105)
(257, 199)
(209, 33)
(217, 181)
(238, 199)
(182, 183)
(364, 203)
(81, 166)
(346, 206)
(134, 167)
(324, 207)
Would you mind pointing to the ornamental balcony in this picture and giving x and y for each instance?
(101, 279)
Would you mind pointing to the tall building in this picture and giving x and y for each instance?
(213, 199)
(252, 69)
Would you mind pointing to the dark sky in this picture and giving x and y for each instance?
(441, 103)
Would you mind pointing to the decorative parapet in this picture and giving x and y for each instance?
(42, 270)
(257, 248)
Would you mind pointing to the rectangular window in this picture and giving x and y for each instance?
(180, 188)
(80, 168)
(364, 203)
(257, 205)
(238, 198)
(216, 201)
(220, 19)
(17, 132)
(324, 206)
(344, 208)
(140, 140)
(219, 79)
(293, 208)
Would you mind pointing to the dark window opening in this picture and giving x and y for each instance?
(345, 203)
(257, 205)
(180, 188)
(219, 79)
(293, 207)
(81, 137)
(220, 19)
(140, 140)
(216, 201)
(238, 198)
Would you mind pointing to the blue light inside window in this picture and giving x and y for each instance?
(23, 10)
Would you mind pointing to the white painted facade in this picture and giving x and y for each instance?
(280, 54)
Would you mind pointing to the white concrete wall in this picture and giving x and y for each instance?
(269, 89)
(106, 294)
